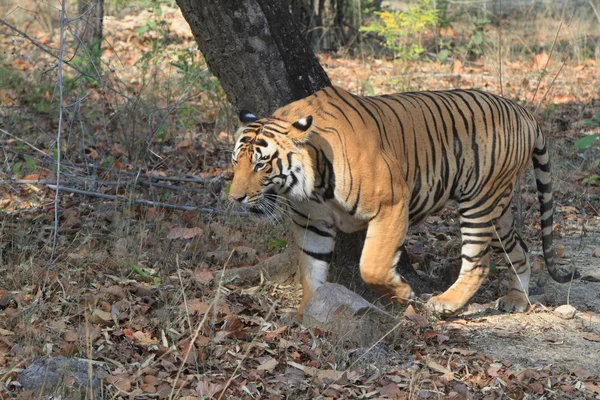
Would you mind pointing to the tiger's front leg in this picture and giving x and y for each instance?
(316, 241)
(382, 251)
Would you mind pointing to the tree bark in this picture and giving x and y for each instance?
(89, 26)
(322, 22)
(261, 59)
(263, 62)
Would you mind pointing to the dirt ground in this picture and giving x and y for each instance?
(131, 282)
(540, 337)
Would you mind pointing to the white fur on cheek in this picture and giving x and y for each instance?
(306, 180)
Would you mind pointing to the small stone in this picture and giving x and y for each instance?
(339, 310)
(566, 311)
(63, 377)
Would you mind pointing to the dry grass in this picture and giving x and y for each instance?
(136, 116)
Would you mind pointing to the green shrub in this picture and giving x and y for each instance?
(403, 30)
(588, 142)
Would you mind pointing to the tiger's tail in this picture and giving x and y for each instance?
(543, 180)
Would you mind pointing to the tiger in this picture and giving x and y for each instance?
(383, 163)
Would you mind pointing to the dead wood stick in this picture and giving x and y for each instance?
(102, 183)
(147, 202)
(146, 176)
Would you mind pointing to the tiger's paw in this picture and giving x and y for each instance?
(515, 301)
(291, 318)
(444, 305)
(403, 295)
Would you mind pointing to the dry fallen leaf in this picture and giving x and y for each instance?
(418, 319)
(71, 336)
(592, 337)
(540, 61)
(101, 317)
(592, 388)
(596, 252)
(392, 391)
(144, 338)
(203, 276)
(559, 251)
(184, 233)
(330, 374)
(463, 352)
(440, 368)
(268, 365)
(457, 67)
(4, 332)
(207, 389)
(196, 305)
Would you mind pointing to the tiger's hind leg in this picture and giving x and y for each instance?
(508, 241)
(477, 217)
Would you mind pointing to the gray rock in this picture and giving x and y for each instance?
(347, 315)
(68, 378)
(565, 311)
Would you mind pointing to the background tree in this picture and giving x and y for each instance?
(89, 26)
(263, 62)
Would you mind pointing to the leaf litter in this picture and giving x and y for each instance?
(116, 295)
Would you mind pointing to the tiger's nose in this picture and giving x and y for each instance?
(237, 197)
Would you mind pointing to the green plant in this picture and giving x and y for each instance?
(403, 30)
(587, 142)
(33, 90)
(478, 37)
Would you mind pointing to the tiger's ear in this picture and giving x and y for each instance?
(302, 131)
(246, 117)
(303, 124)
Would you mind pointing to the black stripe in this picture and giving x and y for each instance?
(314, 229)
(349, 105)
(542, 167)
(467, 224)
(325, 257)
(470, 241)
(355, 206)
(543, 188)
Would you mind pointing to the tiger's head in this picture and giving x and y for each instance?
(271, 159)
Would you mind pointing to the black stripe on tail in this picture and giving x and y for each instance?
(543, 180)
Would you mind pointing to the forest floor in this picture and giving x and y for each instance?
(132, 286)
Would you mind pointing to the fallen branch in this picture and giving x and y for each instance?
(146, 176)
(147, 202)
(102, 183)
(280, 268)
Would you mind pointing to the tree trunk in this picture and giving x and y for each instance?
(322, 22)
(256, 51)
(263, 62)
(89, 27)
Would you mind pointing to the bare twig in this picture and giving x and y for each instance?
(368, 350)
(245, 355)
(547, 62)
(187, 310)
(549, 87)
(148, 202)
(33, 182)
(60, 57)
(149, 177)
(213, 305)
(500, 50)
(102, 183)
(59, 76)
(24, 141)
(514, 270)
